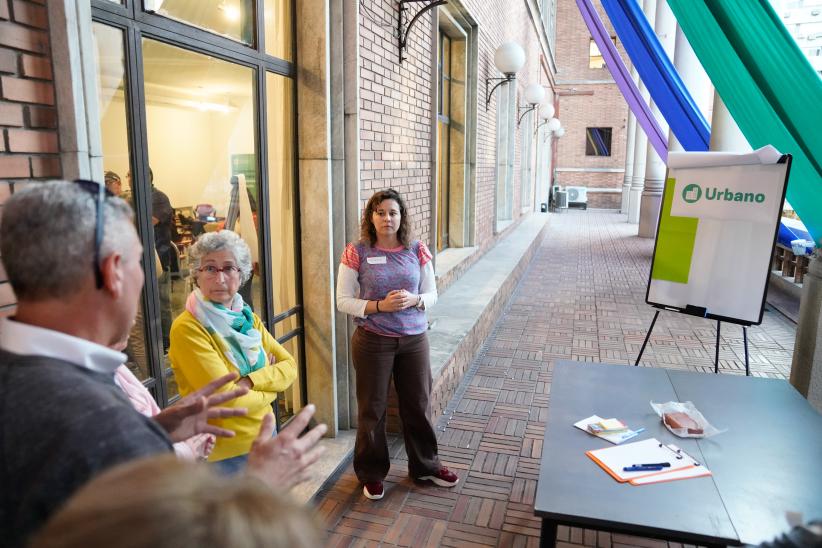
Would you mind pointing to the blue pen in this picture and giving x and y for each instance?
(642, 468)
(632, 433)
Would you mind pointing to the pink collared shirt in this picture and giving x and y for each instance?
(195, 448)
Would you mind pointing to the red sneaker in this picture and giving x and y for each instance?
(373, 490)
(443, 478)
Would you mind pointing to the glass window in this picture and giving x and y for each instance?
(443, 142)
(231, 18)
(595, 59)
(598, 141)
(202, 153)
(111, 101)
(284, 260)
(277, 21)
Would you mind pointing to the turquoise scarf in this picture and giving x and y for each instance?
(233, 329)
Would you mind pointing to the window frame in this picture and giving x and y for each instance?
(136, 24)
(605, 131)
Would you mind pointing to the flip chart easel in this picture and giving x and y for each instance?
(717, 228)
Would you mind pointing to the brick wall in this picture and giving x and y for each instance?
(29, 147)
(396, 106)
(585, 101)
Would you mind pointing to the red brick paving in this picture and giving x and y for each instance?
(581, 299)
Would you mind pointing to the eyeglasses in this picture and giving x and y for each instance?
(212, 271)
(99, 192)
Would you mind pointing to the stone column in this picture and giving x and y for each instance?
(629, 154)
(806, 368)
(640, 139)
(725, 134)
(665, 29)
(695, 79)
(317, 206)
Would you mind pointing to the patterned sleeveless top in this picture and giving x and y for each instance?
(382, 271)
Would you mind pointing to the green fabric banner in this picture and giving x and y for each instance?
(768, 86)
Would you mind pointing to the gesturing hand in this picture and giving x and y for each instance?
(284, 460)
(190, 415)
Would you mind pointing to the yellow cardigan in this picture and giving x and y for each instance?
(197, 360)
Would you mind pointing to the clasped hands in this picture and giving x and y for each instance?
(398, 299)
(281, 461)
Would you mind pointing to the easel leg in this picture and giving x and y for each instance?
(745, 340)
(548, 535)
(648, 336)
(716, 359)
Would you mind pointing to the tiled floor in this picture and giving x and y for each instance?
(582, 299)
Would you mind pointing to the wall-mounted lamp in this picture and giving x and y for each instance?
(546, 114)
(553, 125)
(534, 96)
(509, 59)
(402, 30)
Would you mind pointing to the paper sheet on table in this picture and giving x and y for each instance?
(616, 438)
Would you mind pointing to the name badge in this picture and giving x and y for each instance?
(376, 260)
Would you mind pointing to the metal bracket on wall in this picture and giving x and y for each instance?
(525, 110)
(402, 30)
(499, 82)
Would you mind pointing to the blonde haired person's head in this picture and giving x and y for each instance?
(161, 502)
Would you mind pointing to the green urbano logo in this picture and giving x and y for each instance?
(693, 193)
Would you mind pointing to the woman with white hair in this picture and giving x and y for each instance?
(218, 334)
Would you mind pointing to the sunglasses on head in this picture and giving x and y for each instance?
(99, 192)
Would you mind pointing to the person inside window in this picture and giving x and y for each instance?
(219, 334)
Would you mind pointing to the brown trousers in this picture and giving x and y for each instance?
(376, 358)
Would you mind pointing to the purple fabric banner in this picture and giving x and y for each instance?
(619, 71)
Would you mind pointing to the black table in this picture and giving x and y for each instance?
(768, 462)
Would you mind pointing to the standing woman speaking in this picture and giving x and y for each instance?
(386, 281)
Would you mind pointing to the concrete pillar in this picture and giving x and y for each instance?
(806, 368)
(640, 139)
(318, 206)
(665, 29)
(693, 75)
(725, 134)
(629, 154)
(75, 89)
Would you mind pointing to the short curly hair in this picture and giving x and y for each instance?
(368, 233)
(217, 241)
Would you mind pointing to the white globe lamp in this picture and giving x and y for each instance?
(509, 58)
(546, 110)
(554, 124)
(534, 94)
(560, 132)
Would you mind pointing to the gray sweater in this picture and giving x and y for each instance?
(60, 425)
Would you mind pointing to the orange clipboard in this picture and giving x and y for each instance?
(614, 459)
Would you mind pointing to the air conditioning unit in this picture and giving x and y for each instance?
(557, 188)
(577, 195)
(561, 199)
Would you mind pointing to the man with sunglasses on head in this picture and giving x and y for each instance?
(75, 268)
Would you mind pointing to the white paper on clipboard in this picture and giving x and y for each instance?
(614, 459)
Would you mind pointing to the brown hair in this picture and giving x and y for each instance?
(161, 502)
(368, 234)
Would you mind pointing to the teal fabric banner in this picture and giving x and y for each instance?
(768, 86)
